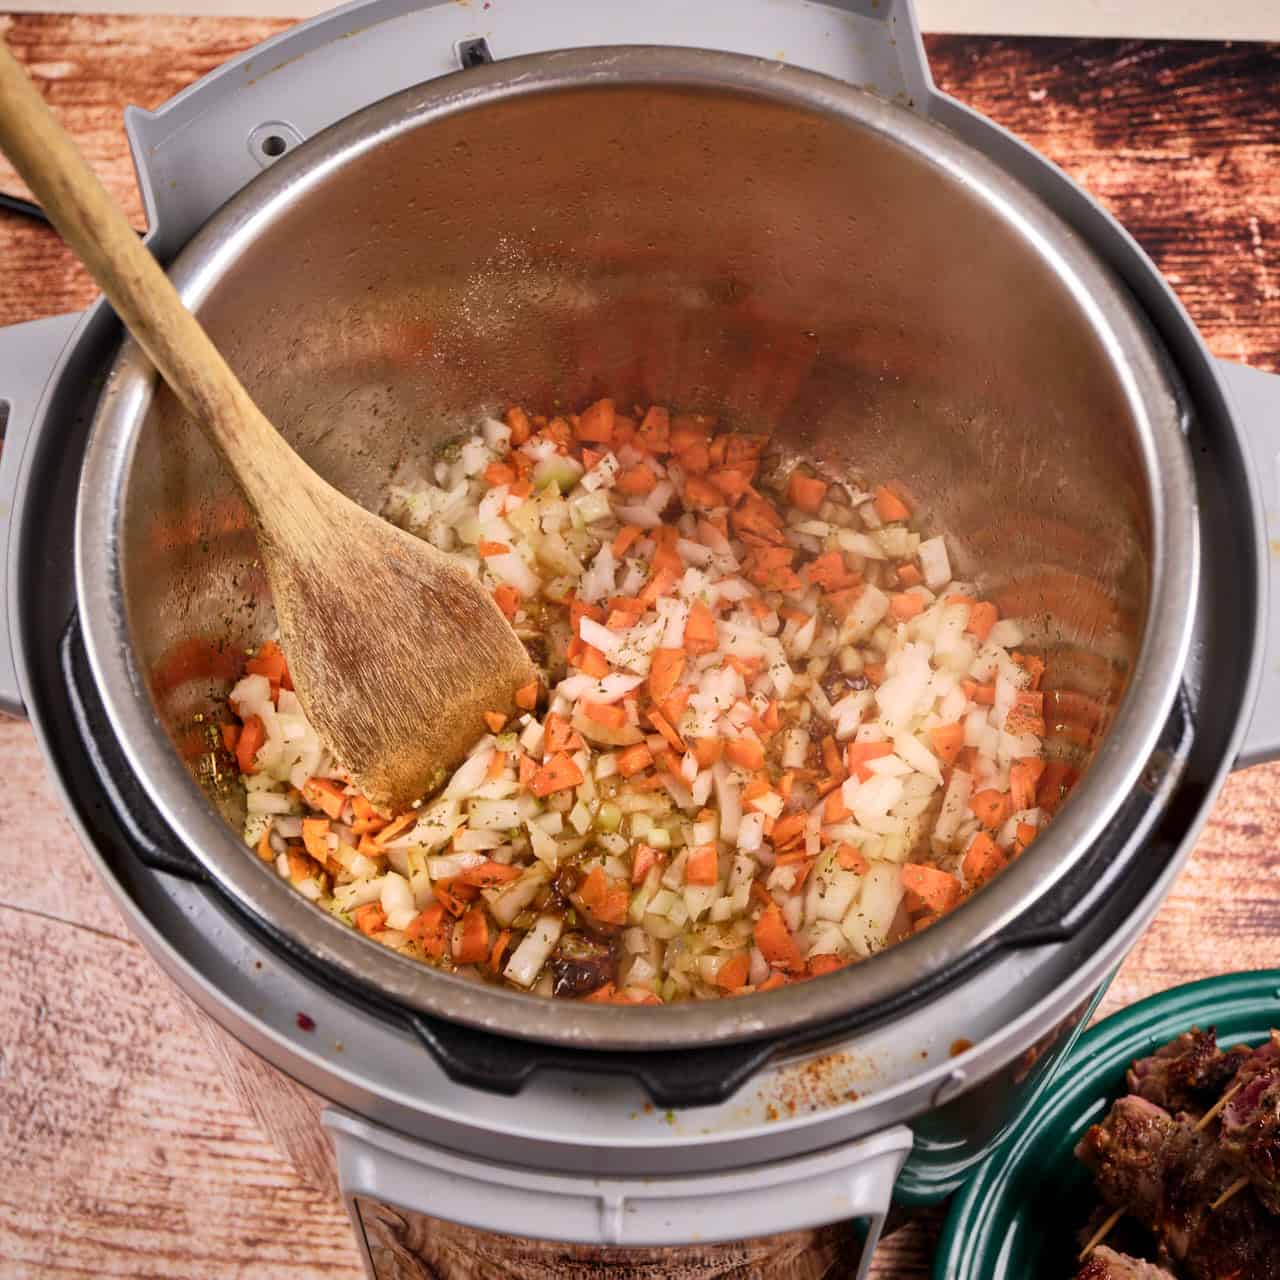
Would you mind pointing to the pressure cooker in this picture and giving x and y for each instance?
(400, 215)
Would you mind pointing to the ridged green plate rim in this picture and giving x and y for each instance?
(1018, 1216)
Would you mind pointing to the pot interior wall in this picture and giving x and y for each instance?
(782, 268)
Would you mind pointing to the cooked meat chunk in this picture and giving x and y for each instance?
(1250, 1135)
(581, 965)
(1167, 1175)
(1106, 1264)
(1187, 1074)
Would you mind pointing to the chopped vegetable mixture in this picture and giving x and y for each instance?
(772, 734)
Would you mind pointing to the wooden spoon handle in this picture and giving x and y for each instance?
(96, 228)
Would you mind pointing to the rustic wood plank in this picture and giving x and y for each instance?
(123, 1149)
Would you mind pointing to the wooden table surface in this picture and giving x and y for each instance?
(123, 1151)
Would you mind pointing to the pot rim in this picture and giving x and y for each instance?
(1120, 759)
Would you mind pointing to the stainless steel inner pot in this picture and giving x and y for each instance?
(700, 229)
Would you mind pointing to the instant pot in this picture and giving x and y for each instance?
(398, 216)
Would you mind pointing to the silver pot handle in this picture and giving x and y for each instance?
(28, 354)
(412, 1178)
(1256, 398)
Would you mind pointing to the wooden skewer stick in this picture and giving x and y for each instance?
(1238, 1185)
(1101, 1234)
(1217, 1106)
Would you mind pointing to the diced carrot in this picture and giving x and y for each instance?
(1055, 783)
(757, 517)
(707, 751)
(701, 495)
(702, 865)
(775, 941)
(905, 604)
(806, 492)
(733, 482)
(370, 918)
(488, 874)
(300, 868)
(834, 808)
(773, 982)
(499, 951)
(252, 736)
(667, 729)
(832, 761)
(746, 752)
(497, 766)
(264, 849)
(990, 807)
(875, 672)
(396, 828)
(492, 549)
(607, 900)
(558, 774)
(959, 599)
(983, 694)
(731, 974)
(825, 963)
(432, 929)
(558, 431)
(643, 859)
(675, 703)
(270, 661)
(325, 794)
(982, 859)
(851, 860)
(527, 696)
(525, 769)
(367, 818)
(830, 572)
(1023, 776)
(610, 714)
(590, 457)
(230, 736)
(889, 507)
(625, 539)
(315, 837)
(497, 473)
(596, 422)
(946, 740)
(1023, 836)
(928, 888)
(982, 617)
(495, 720)
(909, 575)
(518, 421)
(606, 994)
(507, 598)
(559, 734)
(857, 755)
(664, 673)
(471, 942)
(655, 429)
(700, 630)
(788, 828)
(454, 896)
(634, 759)
(636, 481)
(369, 847)
(591, 662)
(660, 583)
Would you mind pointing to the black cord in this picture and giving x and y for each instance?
(24, 208)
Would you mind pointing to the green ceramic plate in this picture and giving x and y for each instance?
(1017, 1218)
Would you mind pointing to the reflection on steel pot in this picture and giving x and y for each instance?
(875, 280)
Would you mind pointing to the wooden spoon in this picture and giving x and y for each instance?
(395, 651)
